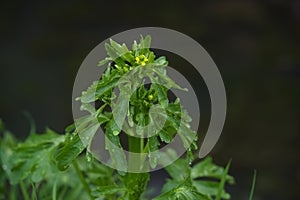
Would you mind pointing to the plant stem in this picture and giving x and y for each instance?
(136, 182)
(12, 192)
(253, 185)
(54, 191)
(82, 180)
(24, 191)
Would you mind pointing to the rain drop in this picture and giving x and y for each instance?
(4, 167)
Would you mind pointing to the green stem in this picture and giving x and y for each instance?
(141, 145)
(82, 180)
(136, 182)
(24, 191)
(12, 192)
(253, 185)
(54, 191)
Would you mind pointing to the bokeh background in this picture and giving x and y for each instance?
(255, 44)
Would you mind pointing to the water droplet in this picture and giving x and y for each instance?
(4, 167)
(89, 157)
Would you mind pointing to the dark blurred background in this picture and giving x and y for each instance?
(255, 44)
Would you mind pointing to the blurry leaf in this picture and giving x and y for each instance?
(210, 188)
(31, 122)
(103, 62)
(179, 170)
(136, 184)
(110, 189)
(146, 43)
(161, 61)
(111, 52)
(222, 182)
(169, 83)
(253, 186)
(119, 49)
(33, 159)
(68, 152)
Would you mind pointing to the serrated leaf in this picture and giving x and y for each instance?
(165, 136)
(209, 188)
(182, 192)
(206, 168)
(33, 159)
(187, 136)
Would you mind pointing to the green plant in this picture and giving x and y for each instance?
(53, 166)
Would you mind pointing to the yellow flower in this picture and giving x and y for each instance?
(141, 60)
(137, 59)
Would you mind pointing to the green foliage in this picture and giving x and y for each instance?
(33, 159)
(53, 166)
(135, 102)
(204, 178)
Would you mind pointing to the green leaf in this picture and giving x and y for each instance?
(113, 145)
(153, 153)
(206, 168)
(210, 188)
(182, 192)
(223, 181)
(33, 159)
(136, 184)
(103, 62)
(146, 43)
(169, 83)
(187, 136)
(134, 46)
(111, 52)
(165, 136)
(161, 61)
(119, 49)
(161, 93)
(88, 132)
(68, 152)
(179, 170)
(120, 109)
(108, 190)
(253, 186)
(97, 89)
